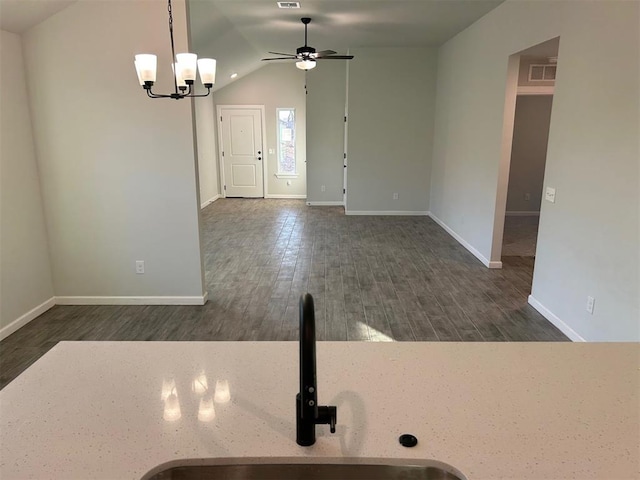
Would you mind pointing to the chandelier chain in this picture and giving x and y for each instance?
(173, 49)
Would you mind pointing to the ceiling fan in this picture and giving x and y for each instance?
(306, 56)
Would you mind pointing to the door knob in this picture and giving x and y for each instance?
(259, 152)
(259, 158)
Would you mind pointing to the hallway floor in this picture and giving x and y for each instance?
(520, 236)
(372, 278)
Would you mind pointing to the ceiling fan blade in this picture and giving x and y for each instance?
(280, 53)
(336, 57)
(324, 53)
(279, 58)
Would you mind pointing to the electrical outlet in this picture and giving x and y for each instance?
(527, 197)
(323, 188)
(395, 196)
(590, 303)
(550, 195)
(139, 267)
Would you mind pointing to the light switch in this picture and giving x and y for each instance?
(590, 303)
(550, 195)
(271, 151)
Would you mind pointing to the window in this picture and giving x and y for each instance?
(286, 142)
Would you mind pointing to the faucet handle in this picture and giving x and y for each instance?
(328, 415)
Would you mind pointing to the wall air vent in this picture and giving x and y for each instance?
(288, 4)
(542, 73)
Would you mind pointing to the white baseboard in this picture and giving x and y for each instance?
(275, 195)
(515, 213)
(210, 201)
(196, 300)
(407, 213)
(465, 244)
(339, 203)
(549, 315)
(26, 318)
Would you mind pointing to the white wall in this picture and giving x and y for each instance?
(391, 113)
(117, 168)
(588, 240)
(274, 86)
(326, 87)
(207, 150)
(529, 152)
(25, 270)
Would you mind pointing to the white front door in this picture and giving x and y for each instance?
(242, 151)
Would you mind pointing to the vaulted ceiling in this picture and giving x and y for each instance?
(238, 33)
(16, 16)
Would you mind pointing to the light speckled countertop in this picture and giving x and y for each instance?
(509, 410)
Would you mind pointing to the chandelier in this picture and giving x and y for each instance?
(184, 70)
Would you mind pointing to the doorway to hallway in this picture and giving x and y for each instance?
(528, 103)
(526, 175)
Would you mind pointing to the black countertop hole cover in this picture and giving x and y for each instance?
(408, 440)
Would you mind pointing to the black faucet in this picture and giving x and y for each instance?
(308, 413)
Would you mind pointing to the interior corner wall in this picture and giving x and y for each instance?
(326, 96)
(207, 150)
(117, 169)
(274, 86)
(25, 269)
(588, 239)
(390, 139)
(529, 152)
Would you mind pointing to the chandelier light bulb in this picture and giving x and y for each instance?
(222, 393)
(207, 68)
(146, 67)
(188, 63)
(206, 410)
(168, 387)
(178, 70)
(200, 384)
(172, 408)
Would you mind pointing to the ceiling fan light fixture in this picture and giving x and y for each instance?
(306, 55)
(307, 64)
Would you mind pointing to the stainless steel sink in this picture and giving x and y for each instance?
(308, 472)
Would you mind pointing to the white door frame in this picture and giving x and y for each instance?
(509, 114)
(345, 161)
(265, 159)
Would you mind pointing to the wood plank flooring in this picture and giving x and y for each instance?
(372, 278)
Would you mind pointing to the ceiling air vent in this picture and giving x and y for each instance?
(288, 4)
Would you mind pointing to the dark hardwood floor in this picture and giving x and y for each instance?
(372, 278)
